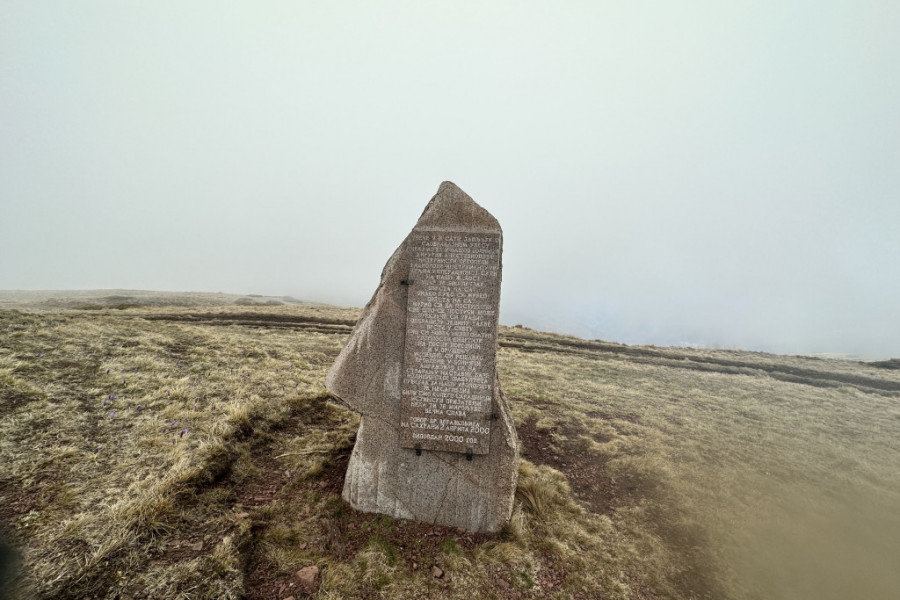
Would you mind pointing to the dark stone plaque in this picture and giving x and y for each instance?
(451, 341)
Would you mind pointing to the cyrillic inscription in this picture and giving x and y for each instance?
(451, 339)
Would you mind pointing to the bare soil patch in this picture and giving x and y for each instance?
(586, 472)
(259, 319)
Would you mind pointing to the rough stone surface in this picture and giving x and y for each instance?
(307, 575)
(451, 486)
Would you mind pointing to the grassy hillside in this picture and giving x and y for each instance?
(183, 446)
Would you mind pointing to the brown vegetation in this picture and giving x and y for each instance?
(185, 447)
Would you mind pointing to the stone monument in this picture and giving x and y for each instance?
(436, 441)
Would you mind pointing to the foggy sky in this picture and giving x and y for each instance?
(666, 172)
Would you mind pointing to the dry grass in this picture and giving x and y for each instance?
(207, 463)
(741, 484)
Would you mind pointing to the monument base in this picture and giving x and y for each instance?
(443, 488)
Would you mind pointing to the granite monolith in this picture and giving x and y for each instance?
(436, 442)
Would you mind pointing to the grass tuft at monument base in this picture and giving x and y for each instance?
(188, 449)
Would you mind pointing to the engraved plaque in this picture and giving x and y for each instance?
(451, 341)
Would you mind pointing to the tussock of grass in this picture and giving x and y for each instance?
(542, 491)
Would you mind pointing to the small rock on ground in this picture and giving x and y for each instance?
(307, 575)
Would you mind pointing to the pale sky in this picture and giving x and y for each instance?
(665, 172)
